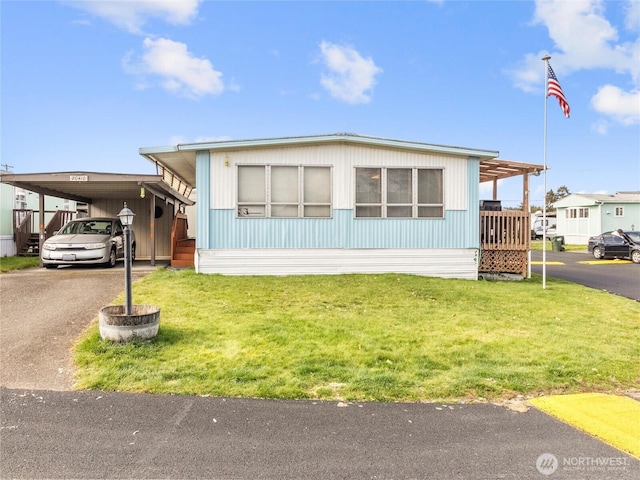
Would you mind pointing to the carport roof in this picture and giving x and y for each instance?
(179, 161)
(89, 186)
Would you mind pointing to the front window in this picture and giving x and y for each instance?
(399, 193)
(284, 191)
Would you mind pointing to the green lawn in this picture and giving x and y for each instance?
(537, 245)
(8, 264)
(369, 337)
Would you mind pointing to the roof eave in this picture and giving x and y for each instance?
(321, 139)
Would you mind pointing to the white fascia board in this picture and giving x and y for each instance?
(152, 150)
(319, 139)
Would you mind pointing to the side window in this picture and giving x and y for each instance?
(284, 191)
(399, 193)
(613, 239)
(119, 229)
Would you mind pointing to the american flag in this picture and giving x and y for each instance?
(554, 88)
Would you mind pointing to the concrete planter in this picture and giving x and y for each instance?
(116, 325)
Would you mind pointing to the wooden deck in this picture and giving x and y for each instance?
(505, 238)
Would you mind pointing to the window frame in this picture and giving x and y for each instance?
(619, 212)
(267, 202)
(384, 204)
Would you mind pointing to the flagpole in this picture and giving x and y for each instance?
(545, 59)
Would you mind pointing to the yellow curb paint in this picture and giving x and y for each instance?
(548, 263)
(604, 262)
(613, 419)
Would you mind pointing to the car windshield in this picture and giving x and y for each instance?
(88, 227)
(634, 236)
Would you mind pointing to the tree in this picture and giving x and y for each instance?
(552, 197)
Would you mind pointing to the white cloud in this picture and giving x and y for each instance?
(131, 15)
(618, 104)
(178, 70)
(349, 76)
(632, 14)
(585, 39)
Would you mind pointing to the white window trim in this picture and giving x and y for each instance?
(384, 194)
(300, 203)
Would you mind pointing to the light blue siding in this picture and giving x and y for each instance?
(459, 228)
(203, 199)
(342, 231)
(472, 228)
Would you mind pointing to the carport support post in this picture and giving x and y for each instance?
(152, 228)
(41, 232)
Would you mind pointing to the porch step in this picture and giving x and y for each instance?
(183, 253)
(32, 248)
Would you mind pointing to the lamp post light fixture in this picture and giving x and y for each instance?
(126, 218)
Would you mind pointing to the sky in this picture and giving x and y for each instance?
(85, 84)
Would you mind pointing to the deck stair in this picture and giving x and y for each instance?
(182, 247)
(32, 246)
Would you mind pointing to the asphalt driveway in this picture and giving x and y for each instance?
(43, 311)
(620, 277)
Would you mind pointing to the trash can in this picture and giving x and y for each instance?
(557, 244)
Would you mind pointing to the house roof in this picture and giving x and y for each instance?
(89, 186)
(180, 160)
(588, 199)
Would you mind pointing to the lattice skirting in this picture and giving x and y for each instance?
(503, 261)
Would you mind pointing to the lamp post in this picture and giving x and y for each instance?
(126, 218)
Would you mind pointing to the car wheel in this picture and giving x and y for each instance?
(133, 252)
(635, 256)
(597, 253)
(112, 258)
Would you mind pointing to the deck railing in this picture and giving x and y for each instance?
(505, 238)
(22, 227)
(505, 230)
(57, 221)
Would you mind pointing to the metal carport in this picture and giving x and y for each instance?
(151, 197)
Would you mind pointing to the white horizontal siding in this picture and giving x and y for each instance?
(446, 263)
(7, 246)
(343, 159)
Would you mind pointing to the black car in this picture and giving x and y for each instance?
(616, 244)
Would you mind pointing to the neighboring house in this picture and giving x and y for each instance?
(14, 200)
(7, 197)
(26, 200)
(582, 215)
(340, 203)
